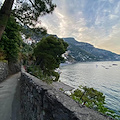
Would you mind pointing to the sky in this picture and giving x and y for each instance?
(92, 21)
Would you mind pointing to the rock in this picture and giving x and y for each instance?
(3, 71)
(14, 68)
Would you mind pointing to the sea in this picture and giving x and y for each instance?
(103, 76)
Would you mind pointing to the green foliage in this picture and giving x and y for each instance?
(26, 54)
(2, 56)
(48, 54)
(34, 32)
(89, 96)
(37, 72)
(29, 11)
(26, 48)
(93, 99)
(11, 40)
(61, 89)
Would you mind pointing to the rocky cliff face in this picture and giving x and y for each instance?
(86, 52)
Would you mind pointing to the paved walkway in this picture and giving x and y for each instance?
(8, 99)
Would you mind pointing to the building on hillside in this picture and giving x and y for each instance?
(29, 41)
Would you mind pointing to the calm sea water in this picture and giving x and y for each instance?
(103, 76)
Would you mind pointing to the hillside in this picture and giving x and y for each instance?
(82, 51)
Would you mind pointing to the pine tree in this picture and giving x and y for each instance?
(27, 12)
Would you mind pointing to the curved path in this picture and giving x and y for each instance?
(9, 99)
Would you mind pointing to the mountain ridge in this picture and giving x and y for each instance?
(82, 51)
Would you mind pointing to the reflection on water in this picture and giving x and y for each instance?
(103, 76)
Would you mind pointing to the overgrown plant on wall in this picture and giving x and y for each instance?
(93, 99)
(2, 55)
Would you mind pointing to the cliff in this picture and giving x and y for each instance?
(82, 51)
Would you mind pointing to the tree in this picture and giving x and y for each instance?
(5, 14)
(2, 55)
(34, 33)
(26, 54)
(27, 12)
(48, 54)
(11, 40)
(93, 99)
(89, 96)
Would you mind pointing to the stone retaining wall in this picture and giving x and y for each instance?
(3, 71)
(14, 68)
(40, 101)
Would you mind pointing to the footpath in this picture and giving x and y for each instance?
(9, 98)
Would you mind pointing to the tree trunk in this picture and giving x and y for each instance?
(5, 14)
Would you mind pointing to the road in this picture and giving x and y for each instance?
(9, 98)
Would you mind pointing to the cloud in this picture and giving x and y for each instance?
(111, 1)
(63, 23)
(93, 21)
(112, 17)
(112, 41)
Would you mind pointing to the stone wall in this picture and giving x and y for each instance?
(3, 71)
(40, 101)
(14, 68)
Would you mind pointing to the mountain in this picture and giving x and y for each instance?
(82, 51)
(77, 51)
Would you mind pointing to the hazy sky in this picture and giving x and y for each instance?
(93, 21)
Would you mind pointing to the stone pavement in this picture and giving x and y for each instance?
(7, 94)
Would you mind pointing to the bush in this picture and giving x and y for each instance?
(93, 99)
(37, 72)
(2, 55)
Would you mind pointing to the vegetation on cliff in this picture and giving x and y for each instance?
(93, 99)
(2, 55)
(48, 56)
